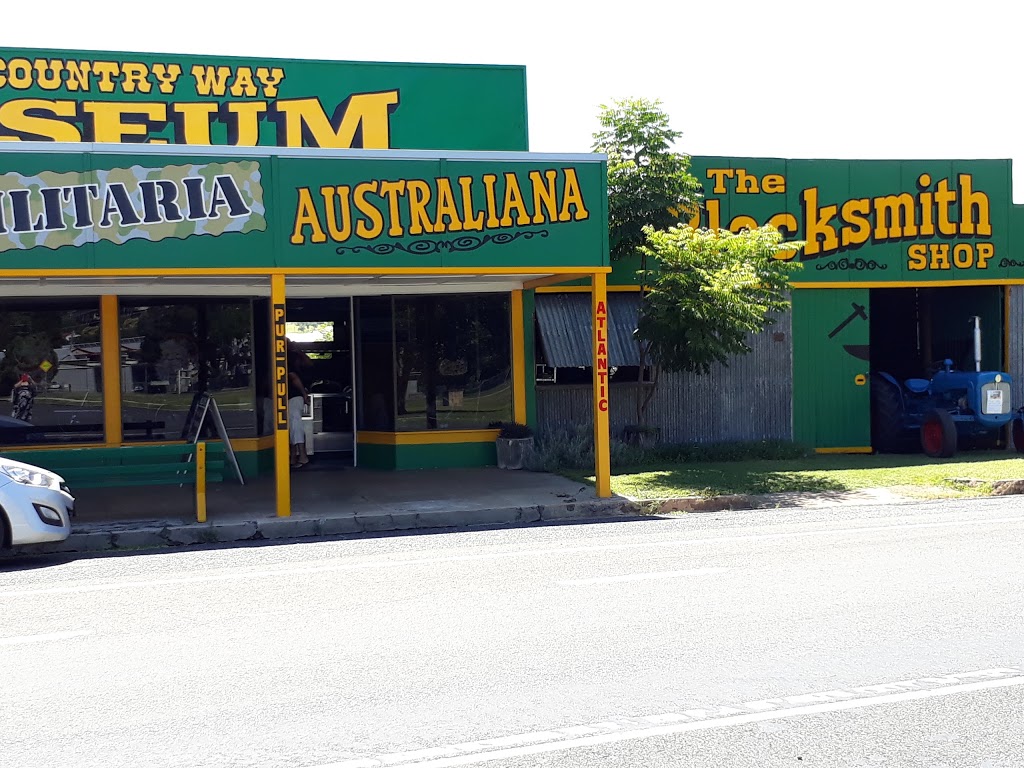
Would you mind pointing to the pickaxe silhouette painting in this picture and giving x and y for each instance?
(858, 311)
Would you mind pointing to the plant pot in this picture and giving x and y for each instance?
(512, 453)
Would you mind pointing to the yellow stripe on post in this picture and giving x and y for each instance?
(518, 359)
(201, 482)
(282, 476)
(602, 437)
(110, 363)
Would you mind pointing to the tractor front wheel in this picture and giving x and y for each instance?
(938, 434)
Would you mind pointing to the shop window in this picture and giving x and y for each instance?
(453, 365)
(173, 349)
(50, 371)
(375, 393)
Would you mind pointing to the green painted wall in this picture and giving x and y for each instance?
(830, 409)
(98, 96)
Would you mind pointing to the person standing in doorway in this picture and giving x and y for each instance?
(297, 396)
(23, 396)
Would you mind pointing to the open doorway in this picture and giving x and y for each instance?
(322, 330)
(913, 332)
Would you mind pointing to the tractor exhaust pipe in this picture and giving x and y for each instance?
(977, 343)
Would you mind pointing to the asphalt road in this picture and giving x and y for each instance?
(857, 636)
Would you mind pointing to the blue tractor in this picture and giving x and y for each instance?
(934, 413)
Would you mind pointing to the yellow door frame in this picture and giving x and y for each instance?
(599, 350)
(279, 356)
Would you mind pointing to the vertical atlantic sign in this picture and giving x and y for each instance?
(70, 96)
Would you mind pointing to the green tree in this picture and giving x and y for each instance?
(649, 183)
(711, 290)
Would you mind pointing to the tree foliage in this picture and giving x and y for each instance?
(712, 288)
(649, 184)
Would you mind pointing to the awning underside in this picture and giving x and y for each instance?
(565, 329)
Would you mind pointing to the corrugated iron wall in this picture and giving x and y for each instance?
(1016, 331)
(749, 400)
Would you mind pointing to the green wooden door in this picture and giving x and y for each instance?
(831, 352)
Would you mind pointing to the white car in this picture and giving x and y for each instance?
(36, 505)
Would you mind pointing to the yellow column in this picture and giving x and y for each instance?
(282, 476)
(110, 362)
(519, 369)
(201, 482)
(602, 437)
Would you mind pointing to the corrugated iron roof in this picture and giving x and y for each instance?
(565, 330)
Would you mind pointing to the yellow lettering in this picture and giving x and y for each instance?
(940, 256)
(963, 256)
(514, 199)
(572, 196)
(927, 228)
(391, 191)
(48, 73)
(746, 184)
(244, 131)
(339, 233)
(895, 217)
(136, 78)
(306, 216)
(167, 75)
(972, 202)
(545, 196)
(739, 223)
(19, 74)
(855, 212)
(106, 71)
(446, 207)
(472, 220)
(364, 121)
(418, 192)
(211, 81)
(192, 121)
(490, 180)
(821, 235)
(917, 257)
(785, 223)
(108, 119)
(720, 175)
(714, 209)
(985, 252)
(244, 85)
(14, 117)
(773, 184)
(369, 211)
(944, 198)
(269, 79)
(79, 75)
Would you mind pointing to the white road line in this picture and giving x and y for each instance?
(642, 576)
(269, 573)
(24, 639)
(692, 720)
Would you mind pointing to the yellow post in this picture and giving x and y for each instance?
(519, 369)
(282, 478)
(602, 437)
(110, 362)
(201, 482)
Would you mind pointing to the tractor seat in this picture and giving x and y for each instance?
(917, 386)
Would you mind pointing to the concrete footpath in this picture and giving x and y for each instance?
(328, 502)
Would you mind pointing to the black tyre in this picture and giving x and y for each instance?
(938, 434)
(1017, 431)
(888, 419)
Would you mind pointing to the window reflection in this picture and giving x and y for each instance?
(172, 351)
(453, 361)
(50, 371)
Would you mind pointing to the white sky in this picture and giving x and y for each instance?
(865, 79)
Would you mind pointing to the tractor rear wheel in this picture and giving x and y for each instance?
(938, 434)
(1017, 430)
(888, 419)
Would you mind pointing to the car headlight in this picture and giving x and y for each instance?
(32, 477)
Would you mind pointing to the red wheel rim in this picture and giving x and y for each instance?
(931, 434)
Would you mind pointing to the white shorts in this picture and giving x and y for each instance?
(296, 430)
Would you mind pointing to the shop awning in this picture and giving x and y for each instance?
(565, 329)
